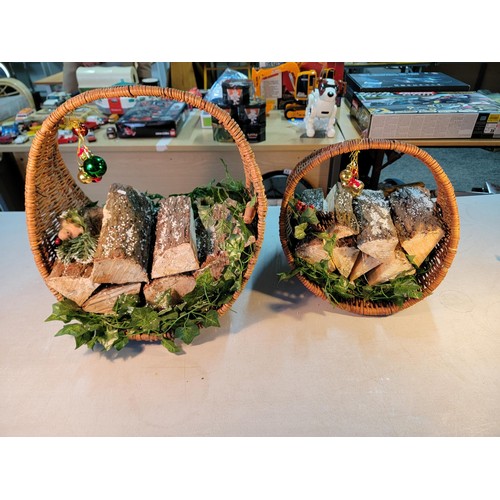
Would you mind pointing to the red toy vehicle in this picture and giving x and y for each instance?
(66, 137)
(6, 139)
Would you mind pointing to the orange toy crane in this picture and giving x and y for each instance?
(304, 81)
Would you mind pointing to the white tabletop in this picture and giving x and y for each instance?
(283, 362)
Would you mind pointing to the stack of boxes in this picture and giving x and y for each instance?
(249, 112)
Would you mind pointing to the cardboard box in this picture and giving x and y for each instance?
(426, 115)
(153, 118)
(402, 82)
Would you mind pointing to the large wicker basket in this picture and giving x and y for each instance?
(51, 187)
(441, 257)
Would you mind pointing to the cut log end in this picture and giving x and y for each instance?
(73, 280)
(103, 301)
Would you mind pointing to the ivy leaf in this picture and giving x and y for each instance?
(74, 329)
(289, 274)
(109, 339)
(211, 319)
(63, 311)
(309, 216)
(125, 304)
(187, 333)
(146, 319)
(170, 345)
(121, 343)
(300, 231)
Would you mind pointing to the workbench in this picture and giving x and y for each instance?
(283, 362)
(193, 158)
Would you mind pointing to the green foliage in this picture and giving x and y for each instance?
(80, 249)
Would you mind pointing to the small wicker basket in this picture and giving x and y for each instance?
(51, 188)
(441, 257)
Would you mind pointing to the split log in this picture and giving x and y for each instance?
(122, 254)
(418, 227)
(216, 263)
(155, 292)
(312, 251)
(378, 237)
(72, 280)
(339, 201)
(363, 264)
(390, 268)
(344, 255)
(217, 223)
(103, 301)
(175, 248)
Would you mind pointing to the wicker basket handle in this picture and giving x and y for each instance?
(445, 189)
(445, 199)
(51, 123)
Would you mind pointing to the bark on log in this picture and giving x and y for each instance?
(340, 202)
(378, 237)
(175, 248)
(313, 197)
(122, 254)
(103, 301)
(73, 280)
(178, 285)
(419, 229)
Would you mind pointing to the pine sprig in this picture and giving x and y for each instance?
(80, 249)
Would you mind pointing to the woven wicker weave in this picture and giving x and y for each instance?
(51, 188)
(442, 256)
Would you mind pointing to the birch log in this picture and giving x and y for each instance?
(122, 254)
(418, 228)
(313, 252)
(103, 301)
(378, 237)
(395, 265)
(175, 248)
(344, 255)
(340, 202)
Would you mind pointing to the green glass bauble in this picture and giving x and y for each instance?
(94, 166)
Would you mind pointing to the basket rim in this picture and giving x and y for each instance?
(445, 198)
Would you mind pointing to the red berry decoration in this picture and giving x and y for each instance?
(80, 130)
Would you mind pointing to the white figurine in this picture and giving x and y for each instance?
(321, 103)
